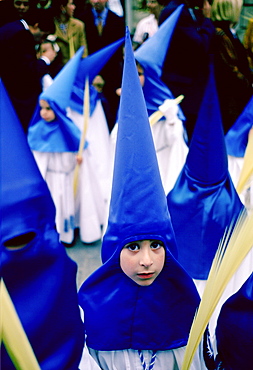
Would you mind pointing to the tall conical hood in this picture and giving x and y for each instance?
(60, 90)
(136, 178)
(90, 67)
(203, 201)
(237, 137)
(151, 56)
(26, 203)
(207, 158)
(234, 330)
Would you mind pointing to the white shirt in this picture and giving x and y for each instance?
(148, 25)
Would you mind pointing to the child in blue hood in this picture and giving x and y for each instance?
(54, 139)
(139, 305)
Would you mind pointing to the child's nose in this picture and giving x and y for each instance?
(146, 258)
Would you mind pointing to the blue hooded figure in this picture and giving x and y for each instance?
(40, 277)
(54, 139)
(151, 56)
(61, 134)
(234, 330)
(203, 201)
(137, 314)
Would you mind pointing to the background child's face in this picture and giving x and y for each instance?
(44, 47)
(141, 74)
(143, 260)
(46, 111)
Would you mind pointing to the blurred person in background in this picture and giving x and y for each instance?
(232, 71)
(147, 26)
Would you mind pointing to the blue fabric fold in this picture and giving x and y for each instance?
(58, 136)
(234, 329)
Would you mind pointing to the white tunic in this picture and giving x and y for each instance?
(129, 359)
(57, 169)
(93, 183)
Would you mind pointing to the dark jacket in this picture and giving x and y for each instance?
(113, 30)
(20, 70)
(233, 75)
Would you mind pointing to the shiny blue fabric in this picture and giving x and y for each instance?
(237, 137)
(203, 201)
(58, 136)
(151, 56)
(120, 314)
(90, 67)
(40, 278)
(234, 330)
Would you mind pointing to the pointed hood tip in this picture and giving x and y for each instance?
(60, 90)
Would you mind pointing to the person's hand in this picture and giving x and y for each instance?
(79, 159)
(207, 9)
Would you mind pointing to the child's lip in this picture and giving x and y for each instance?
(145, 275)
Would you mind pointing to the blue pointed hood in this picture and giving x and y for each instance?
(237, 137)
(117, 310)
(203, 201)
(234, 331)
(90, 67)
(23, 191)
(151, 56)
(40, 277)
(60, 90)
(60, 135)
(136, 178)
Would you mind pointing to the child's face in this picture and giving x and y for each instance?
(46, 112)
(143, 260)
(141, 74)
(45, 47)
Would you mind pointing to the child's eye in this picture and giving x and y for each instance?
(133, 247)
(156, 245)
